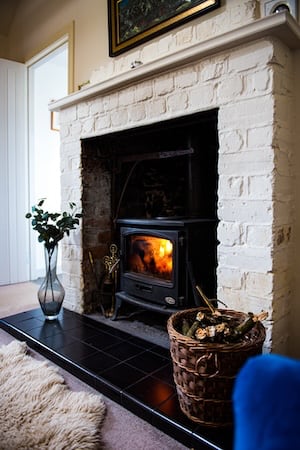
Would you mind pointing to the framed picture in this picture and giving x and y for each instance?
(132, 22)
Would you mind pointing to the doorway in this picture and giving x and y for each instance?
(47, 81)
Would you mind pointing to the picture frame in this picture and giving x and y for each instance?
(133, 22)
(54, 121)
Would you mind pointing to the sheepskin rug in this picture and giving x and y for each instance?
(39, 411)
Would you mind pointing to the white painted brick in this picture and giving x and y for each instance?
(231, 141)
(103, 122)
(251, 56)
(245, 211)
(231, 298)
(136, 113)
(68, 115)
(64, 131)
(231, 88)
(232, 186)
(229, 233)
(201, 97)
(260, 137)
(97, 106)
(259, 284)
(259, 235)
(250, 112)
(150, 52)
(156, 108)
(261, 187)
(83, 110)
(177, 102)
(144, 92)
(120, 118)
(245, 163)
(165, 44)
(242, 11)
(184, 36)
(126, 97)
(76, 130)
(185, 79)
(246, 258)
(111, 102)
(88, 126)
(258, 82)
(164, 85)
(230, 277)
(212, 69)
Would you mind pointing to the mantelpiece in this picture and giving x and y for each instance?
(282, 26)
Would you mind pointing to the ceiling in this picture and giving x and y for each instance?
(7, 12)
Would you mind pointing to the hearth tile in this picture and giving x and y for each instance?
(216, 436)
(84, 333)
(98, 383)
(136, 407)
(124, 350)
(202, 436)
(69, 322)
(171, 409)
(162, 351)
(77, 351)
(31, 314)
(176, 431)
(101, 340)
(98, 362)
(165, 373)
(111, 330)
(46, 329)
(55, 341)
(28, 324)
(151, 391)
(122, 375)
(147, 362)
(146, 345)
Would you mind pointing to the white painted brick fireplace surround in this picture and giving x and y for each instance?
(246, 68)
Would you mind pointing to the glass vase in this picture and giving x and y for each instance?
(51, 293)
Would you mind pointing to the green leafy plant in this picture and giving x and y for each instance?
(52, 227)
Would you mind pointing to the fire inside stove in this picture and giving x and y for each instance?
(151, 256)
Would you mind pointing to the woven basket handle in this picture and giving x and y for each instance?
(202, 363)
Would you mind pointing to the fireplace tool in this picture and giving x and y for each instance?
(111, 264)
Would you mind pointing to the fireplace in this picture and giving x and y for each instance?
(244, 70)
(162, 260)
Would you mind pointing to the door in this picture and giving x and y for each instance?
(14, 257)
(28, 172)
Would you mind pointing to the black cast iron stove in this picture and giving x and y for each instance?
(163, 259)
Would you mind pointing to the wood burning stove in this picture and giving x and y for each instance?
(162, 260)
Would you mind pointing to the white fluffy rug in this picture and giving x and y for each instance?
(37, 409)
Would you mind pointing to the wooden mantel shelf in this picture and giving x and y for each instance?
(282, 26)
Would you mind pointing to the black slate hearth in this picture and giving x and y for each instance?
(131, 371)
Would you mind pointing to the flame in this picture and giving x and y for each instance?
(151, 255)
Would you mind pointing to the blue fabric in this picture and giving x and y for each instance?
(266, 404)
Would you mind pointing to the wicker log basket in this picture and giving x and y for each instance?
(204, 373)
